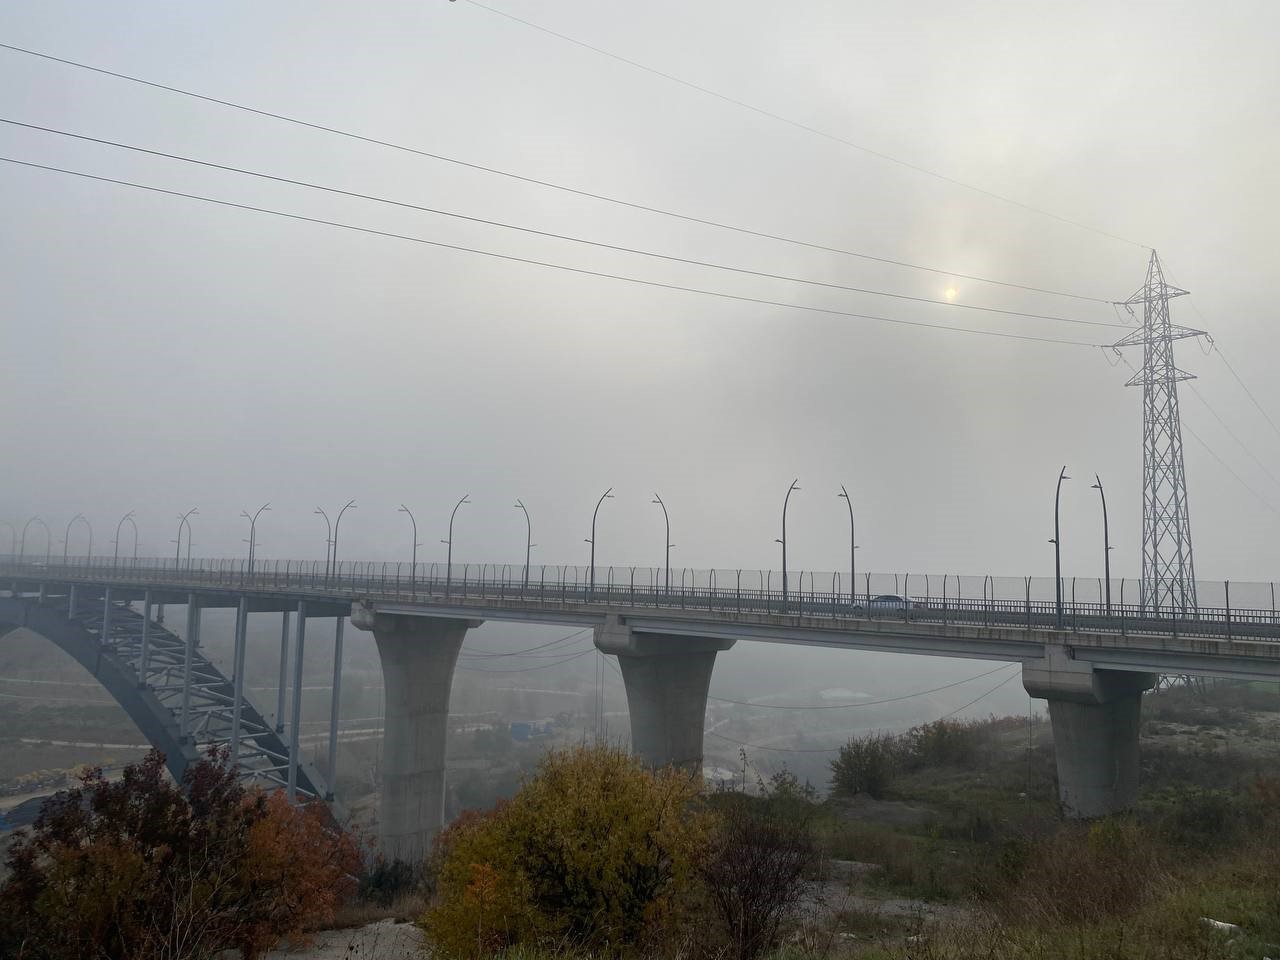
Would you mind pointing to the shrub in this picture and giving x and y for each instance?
(1081, 875)
(944, 743)
(388, 880)
(593, 850)
(866, 765)
(144, 868)
(754, 871)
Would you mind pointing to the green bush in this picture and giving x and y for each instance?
(594, 851)
(866, 765)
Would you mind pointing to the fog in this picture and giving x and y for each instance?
(163, 353)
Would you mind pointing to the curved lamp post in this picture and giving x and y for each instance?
(253, 530)
(528, 540)
(115, 555)
(667, 562)
(1057, 546)
(66, 539)
(337, 522)
(183, 521)
(1106, 540)
(448, 567)
(328, 540)
(607, 495)
(853, 547)
(48, 539)
(791, 489)
(413, 567)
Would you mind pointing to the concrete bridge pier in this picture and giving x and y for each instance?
(418, 655)
(1095, 715)
(667, 679)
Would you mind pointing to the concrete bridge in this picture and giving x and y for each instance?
(1092, 670)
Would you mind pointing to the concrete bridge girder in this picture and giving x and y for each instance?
(667, 678)
(1095, 714)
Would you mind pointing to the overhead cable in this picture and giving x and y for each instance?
(475, 653)
(799, 125)
(548, 264)
(945, 716)
(564, 188)
(544, 666)
(549, 234)
(860, 703)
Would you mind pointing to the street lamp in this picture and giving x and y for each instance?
(607, 495)
(48, 539)
(413, 568)
(667, 578)
(328, 540)
(66, 539)
(448, 566)
(528, 540)
(1106, 540)
(337, 522)
(853, 546)
(183, 521)
(253, 530)
(115, 555)
(1057, 545)
(783, 541)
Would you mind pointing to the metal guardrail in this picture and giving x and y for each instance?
(573, 587)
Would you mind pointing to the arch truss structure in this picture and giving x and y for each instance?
(180, 700)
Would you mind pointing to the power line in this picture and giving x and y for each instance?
(945, 716)
(546, 233)
(587, 194)
(817, 131)
(544, 263)
(478, 654)
(1222, 356)
(862, 703)
(1225, 466)
(1232, 434)
(544, 666)
(1209, 450)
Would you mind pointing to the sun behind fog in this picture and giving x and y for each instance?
(951, 293)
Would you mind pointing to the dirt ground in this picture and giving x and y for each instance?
(384, 940)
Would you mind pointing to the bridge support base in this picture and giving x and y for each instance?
(418, 656)
(667, 679)
(1095, 716)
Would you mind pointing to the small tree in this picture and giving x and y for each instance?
(145, 868)
(594, 849)
(754, 871)
(866, 765)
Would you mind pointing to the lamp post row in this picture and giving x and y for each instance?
(332, 529)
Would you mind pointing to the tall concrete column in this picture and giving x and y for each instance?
(1095, 716)
(418, 656)
(667, 679)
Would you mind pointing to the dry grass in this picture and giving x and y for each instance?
(406, 908)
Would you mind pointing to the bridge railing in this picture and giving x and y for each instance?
(1225, 609)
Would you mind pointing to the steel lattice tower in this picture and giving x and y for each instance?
(1168, 570)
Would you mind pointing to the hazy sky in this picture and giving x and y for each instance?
(162, 353)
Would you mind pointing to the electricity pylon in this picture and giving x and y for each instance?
(1168, 570)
